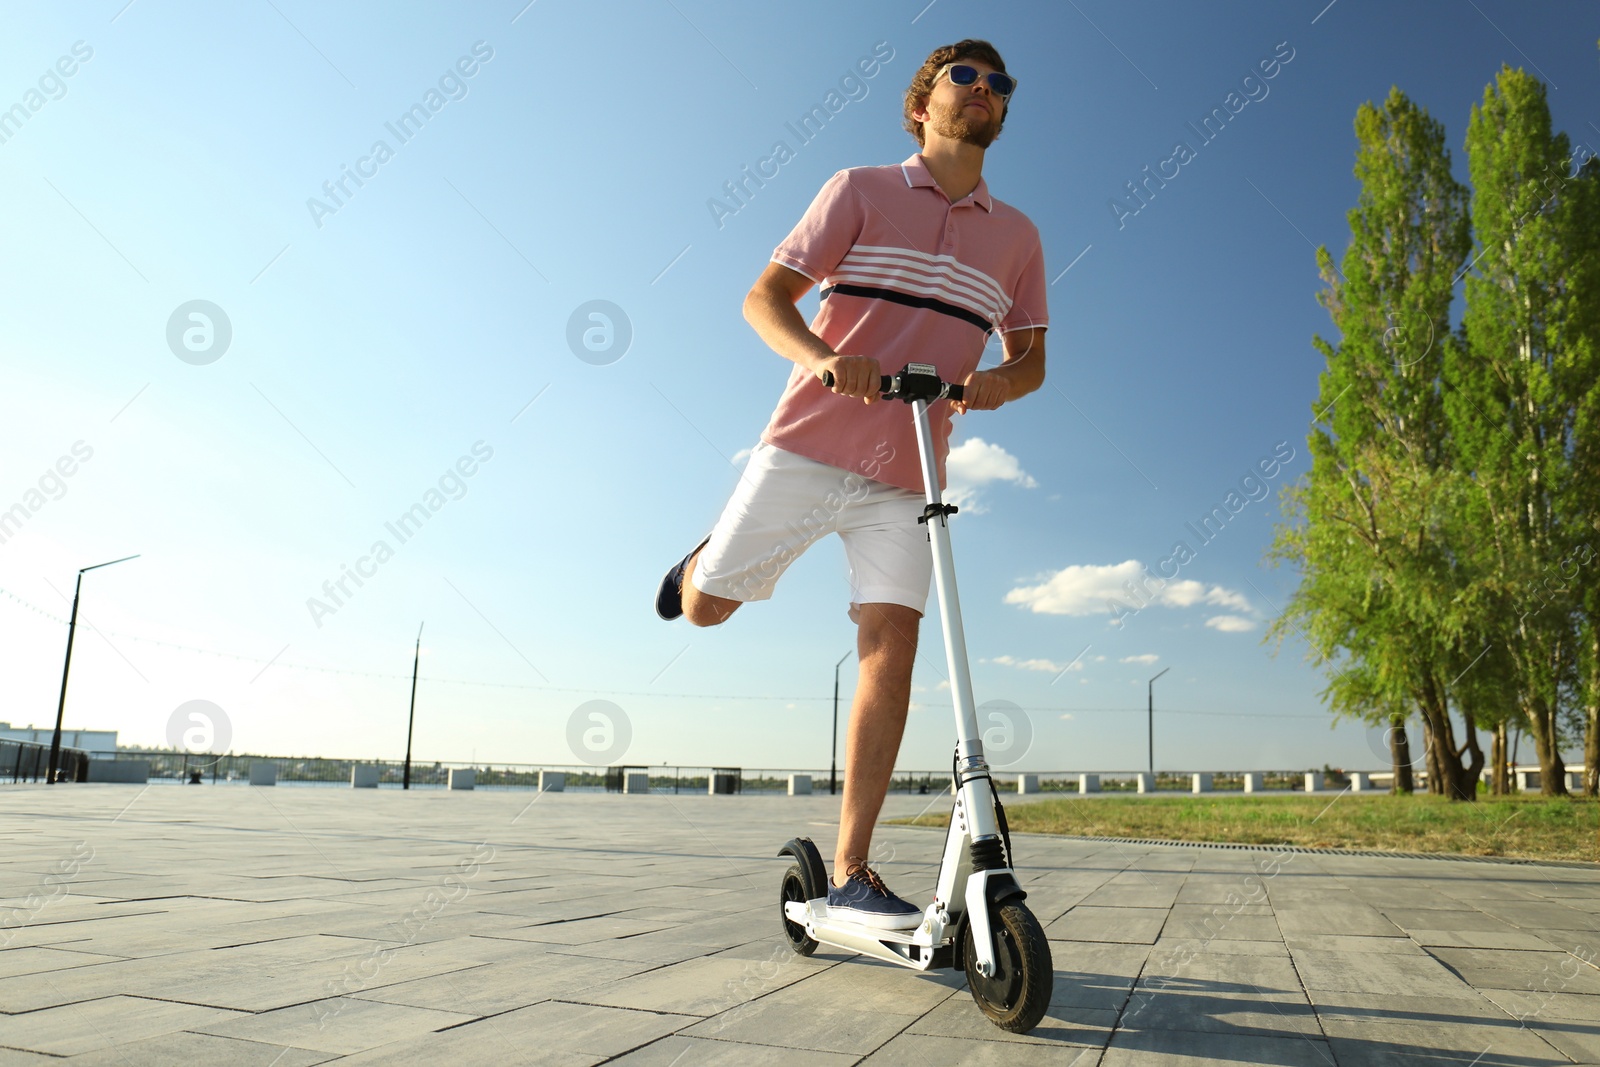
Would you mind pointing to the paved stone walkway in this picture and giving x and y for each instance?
(296, 926)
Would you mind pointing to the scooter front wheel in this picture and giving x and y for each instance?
(794, 888)
(1016, 996)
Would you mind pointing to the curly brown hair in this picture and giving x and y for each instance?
(922, 82)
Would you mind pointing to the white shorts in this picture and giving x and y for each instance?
(785, 503)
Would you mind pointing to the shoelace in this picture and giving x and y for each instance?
(860, 872)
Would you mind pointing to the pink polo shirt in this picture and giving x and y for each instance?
(906, 276)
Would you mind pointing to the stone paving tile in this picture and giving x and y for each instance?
(817, 1028)
(920, 1050)
(1331, 914)
(1342, 943)
(47, 931)
(1379, 972)
(1049, 904)
(184, 1047)
(1582, 943)
(697, 987)
(550, 1032)
(30, 960)
(1136, 891)
(675, 1051)
(1221, 922)
(637, 949)
(1188, 1048)
(1140, 926)
(505, 985)
(587, 931)
(1568, 1021)
(1267, 976)
(1172, 947)
(1414, 1029)
(1213, 888)
(1579, 1043)
(100, 1024)
(1489, 968)
(1222, 1009)
(1504, 939)
(960, 1017)
(1094, 975)
(1409, 919)
(340, 1024)
(1553, 1003)
(865, 985)
(1541, 914)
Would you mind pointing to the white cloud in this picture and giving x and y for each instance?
(1231, 624)
(1187, 592)
(1148, 657)
(975, 463)
(1095, 589)
(1046, 665)
(1076, 590)
(1067, 717)
(741, 457)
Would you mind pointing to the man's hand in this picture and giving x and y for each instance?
(982, 391)
(854, 376)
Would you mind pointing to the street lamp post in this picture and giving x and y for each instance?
(411, 720)
(833, 770)
(1150, 722)
(61, 705)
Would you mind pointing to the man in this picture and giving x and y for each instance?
(917, 263)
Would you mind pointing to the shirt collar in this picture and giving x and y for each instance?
(916, 174)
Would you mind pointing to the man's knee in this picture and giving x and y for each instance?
(888, 630)
(703, 609)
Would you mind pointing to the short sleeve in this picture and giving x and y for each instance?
(826, 233)
(1028, 305)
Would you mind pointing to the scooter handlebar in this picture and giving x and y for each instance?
(914, 382)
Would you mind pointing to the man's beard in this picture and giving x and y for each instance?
(957, 125)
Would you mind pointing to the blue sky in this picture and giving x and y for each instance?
(575, 153)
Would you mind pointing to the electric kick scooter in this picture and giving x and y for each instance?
(977, 921)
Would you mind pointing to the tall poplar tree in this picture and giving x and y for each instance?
(1377, 600)
(1582, 500)
(1513, 402)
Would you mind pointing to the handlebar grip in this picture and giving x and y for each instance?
(883, 387)
(952, 391)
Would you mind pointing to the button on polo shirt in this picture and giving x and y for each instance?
(906, 276)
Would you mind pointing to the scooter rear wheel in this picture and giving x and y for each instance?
(1016, 997)
(794, 888)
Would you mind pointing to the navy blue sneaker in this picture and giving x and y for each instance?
(866, 900)
(669, 598)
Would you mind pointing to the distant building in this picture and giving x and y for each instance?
(100, 743)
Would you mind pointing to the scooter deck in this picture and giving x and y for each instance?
(912, 948)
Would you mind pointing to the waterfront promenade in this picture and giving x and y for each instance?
(290, 927)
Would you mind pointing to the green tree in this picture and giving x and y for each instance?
(1377, 600)
(1513, 403)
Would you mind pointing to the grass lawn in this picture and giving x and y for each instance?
(1528, 827)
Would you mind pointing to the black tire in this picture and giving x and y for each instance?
(1016, 997)
(794, 888)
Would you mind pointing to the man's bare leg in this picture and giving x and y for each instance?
(886, 644)
(703, 609)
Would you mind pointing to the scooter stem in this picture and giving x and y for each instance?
(969, 742)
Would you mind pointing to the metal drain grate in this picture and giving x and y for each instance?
(1518, 861)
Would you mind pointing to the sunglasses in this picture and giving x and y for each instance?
(1002, 85)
